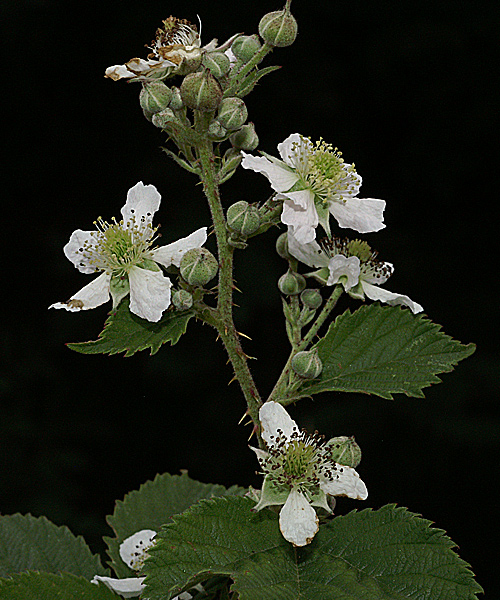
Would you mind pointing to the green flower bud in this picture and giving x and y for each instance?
(217, 63)
(232, 113)
(198, 266)
(311, 298)
(176, 103)
(201, 91)
(279, 28)
(291, 283)
(154, 96)
(245, 138)
(216, 131)
(282, 246)
(245, 47)
(164, 118)
(182, 300)
(243, 218)
(345, 451)
(307, 364)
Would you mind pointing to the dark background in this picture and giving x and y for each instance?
(405, 90)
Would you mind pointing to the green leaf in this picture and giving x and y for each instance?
(126, 332)
(248, 84)
(153, 505)
(34, 543)
(384, 350)
(48, 586)
(388, 554)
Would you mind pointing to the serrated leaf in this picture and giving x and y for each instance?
(48, 586)
(126, 332)
(253, 77)
(384, 350)
(30, 543)
(153, 505)
(388, 554)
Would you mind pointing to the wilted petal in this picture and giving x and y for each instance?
(149, 293)
(361, 214)
(92, 295)
(310, 254)
(300, 214)
(133, 549)
(298, 520)
(172, 254)
(273, 417)
(295, 151)
(77, 241)
(281, 177)
(142, 202)
(127, 588)
(346, 482)
(117, 72)
(342, 266)
(376, 293)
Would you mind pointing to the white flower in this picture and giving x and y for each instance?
(314, 182)
(122, 252)
(299, 473)
(133, 552)
(354, 265)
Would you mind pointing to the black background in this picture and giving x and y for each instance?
(405, 90)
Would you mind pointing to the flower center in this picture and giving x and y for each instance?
(116, 248)
(175, 32)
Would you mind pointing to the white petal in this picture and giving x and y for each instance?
(273, 416)
(261, 454)
(127, 588)
(376, 293)
(149, 293)
(342, 266)
(346, 482)
(298, 520)
(142, 202)
(117, 72)
(280, 177)
(294, 151)
(310, 254)
(92, 295)
(77, 240)
(133, 548)
(361, 214)
(173, 253)
(376, 275)
(299, 213)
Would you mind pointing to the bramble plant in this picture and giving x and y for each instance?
(179, 538)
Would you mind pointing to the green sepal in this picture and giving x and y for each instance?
(344, 450)
(323, 217)
(119, 287)
(320, 500)
(271, 494)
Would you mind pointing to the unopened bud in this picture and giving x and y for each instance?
(182, 300)
(243, 218)
(232, 113)
(164, 118)
(311, 298)
(154, 96)
(307, 364)
(245, 138)
(217, 63)
(345, 451)
(282, 246)
(245, 47)
(279, 28)
(216, 131)
(198, 266)
(291, 283)
(176, 102)
(201, 91)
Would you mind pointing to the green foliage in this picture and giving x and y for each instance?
(48, 586)
(126, 332)
(153, 505)
(388, 554)
(34, 543)
(383, 350)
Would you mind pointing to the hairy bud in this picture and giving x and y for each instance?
(279, 28)
(198, 266)
(182, 300)
(201, 91)
(154, 97)
(245, 47)
(217, 63)
(243, 218)
(245, 138)
(311, 298)
(291, 283)
(307, 364)
(232, 113)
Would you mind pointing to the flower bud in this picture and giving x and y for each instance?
(279, 28)
(282, 246)
(176, 103)
(217, 63)
(216, 131)
(307, 364)
(291, 283)
(311, 298)
(182, 300)
(154, 96)
(232, 113)
(243, 218)
(164, 118)
(201, 91)
(245, 47)
(198, 266)
(345, 451)
(245, 138)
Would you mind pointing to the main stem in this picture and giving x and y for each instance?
(223, 319)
